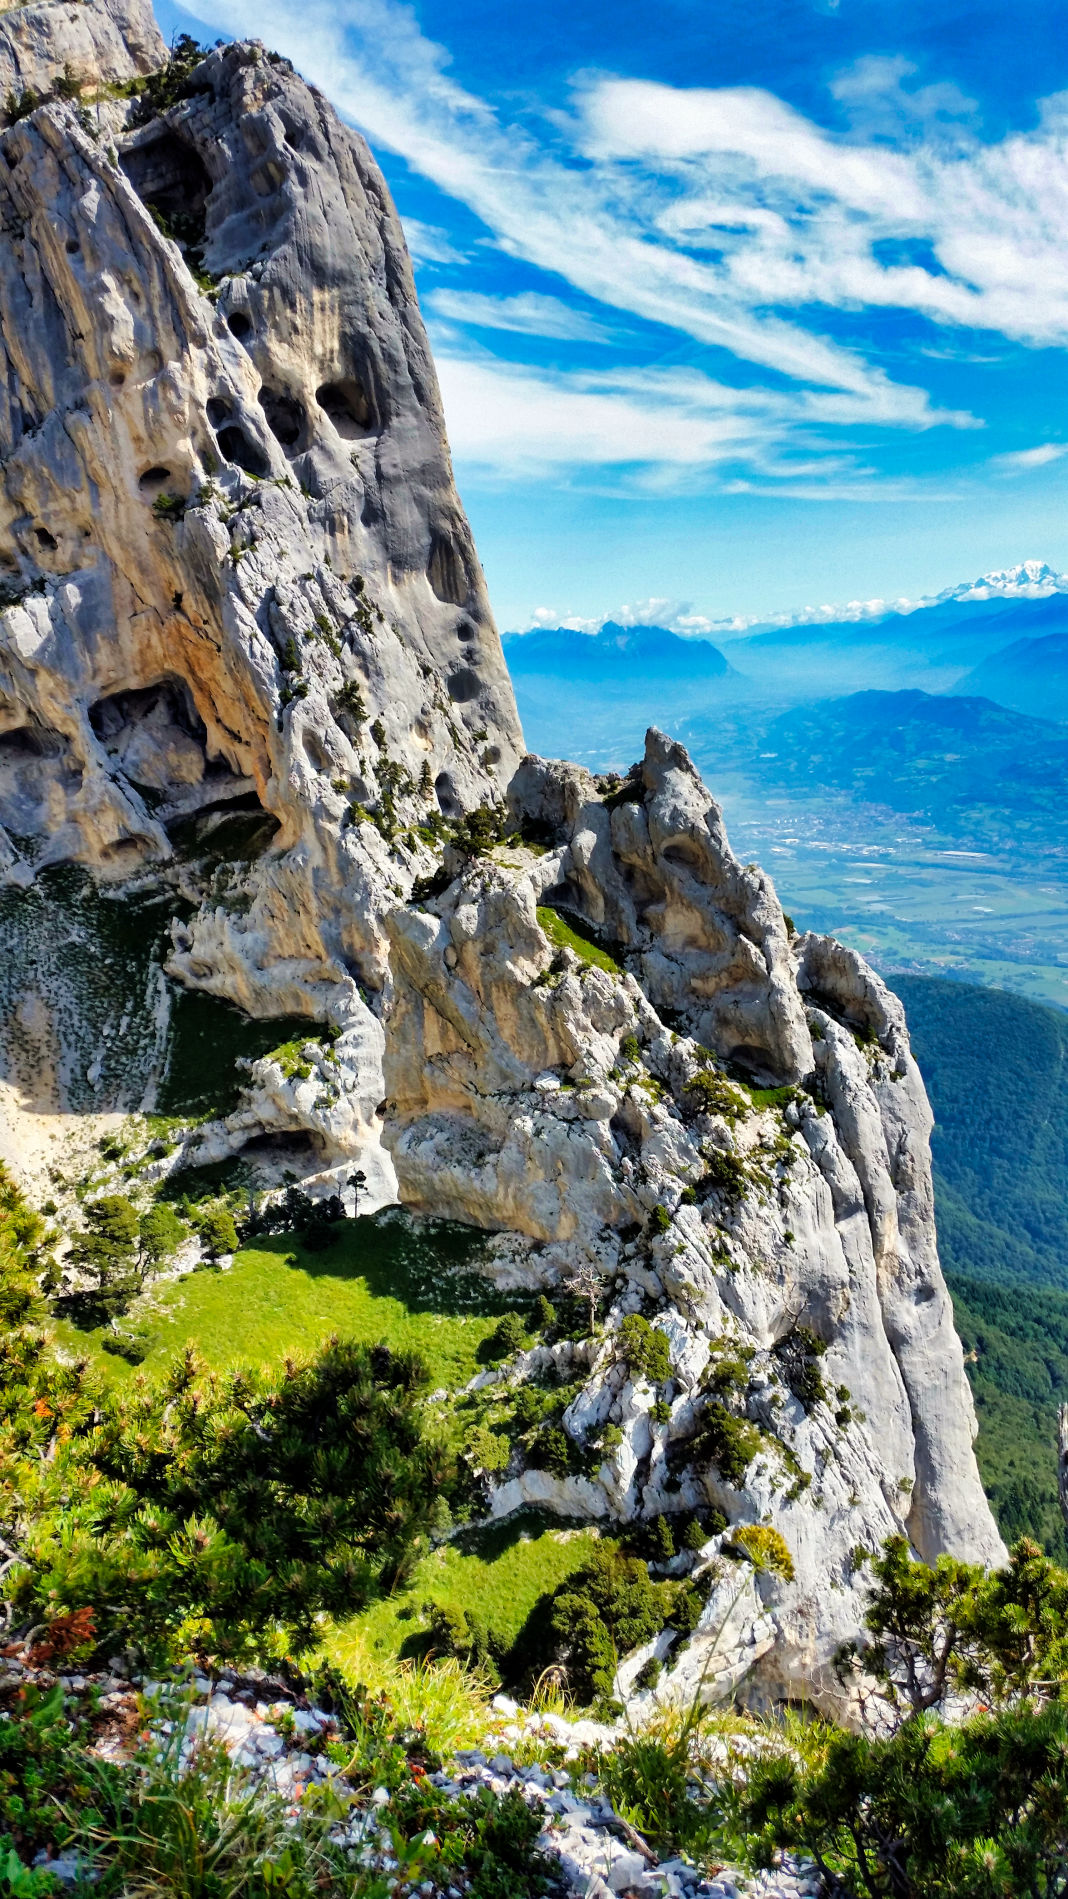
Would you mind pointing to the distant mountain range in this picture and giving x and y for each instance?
(1029, 676)
(937, 647)
(616, 656)
(1003, 637)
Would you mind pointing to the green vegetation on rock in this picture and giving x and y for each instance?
(563, 936)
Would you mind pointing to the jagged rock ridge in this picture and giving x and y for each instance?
(248, 670)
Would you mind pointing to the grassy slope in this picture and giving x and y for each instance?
(379, 1280)
(996, 1068)
(409, 1286)
(500, 1573)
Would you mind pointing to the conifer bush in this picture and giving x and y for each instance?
(221, 1513)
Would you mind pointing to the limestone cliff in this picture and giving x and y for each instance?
(250, 685)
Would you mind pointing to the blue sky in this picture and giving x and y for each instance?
(738, 308)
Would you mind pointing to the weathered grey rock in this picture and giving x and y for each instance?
(307, 631)
(88, 46)
(514, 1102)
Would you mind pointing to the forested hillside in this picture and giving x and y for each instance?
(995, 1068)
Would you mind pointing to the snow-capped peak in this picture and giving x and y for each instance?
(1028, 580)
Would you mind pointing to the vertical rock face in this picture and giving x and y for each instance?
(249, 687)
(236, 570)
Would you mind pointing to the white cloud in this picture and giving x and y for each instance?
(652, 429)
(1022, 459)
(429, 244)
(528, 314)
(592, 225)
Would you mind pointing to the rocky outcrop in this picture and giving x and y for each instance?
(781, 1237)
(69, 43)
(251, 695)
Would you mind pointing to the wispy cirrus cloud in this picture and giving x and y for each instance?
(528, 314)
(596, 226)
(653, 430)
(1023, 459)
(429, 244)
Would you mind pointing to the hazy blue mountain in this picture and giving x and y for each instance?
(996, 1068)
(626, 657)
(974, 769)
(1029, 676)
(933, 647)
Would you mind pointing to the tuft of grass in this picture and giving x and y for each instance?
(770, 1097)
(441, 1701)
(562, 936)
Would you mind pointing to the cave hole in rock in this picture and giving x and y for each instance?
(173, 182)
(295, 133)
(445, 792)
(72, 247)
(753, 1063)
(315, 752)
(853, 1014)
(231, 827)
(126, 853)
(684, 853)
(464, 686)
(154, 480)
(466, 631)
(154, 734)
(239, 325)
(286, 417)
(46, 540)
(219, 410)
(117, 379)
(24, 743)
(295, 1150)
(347, 406)
(237, 447)
(446, 572)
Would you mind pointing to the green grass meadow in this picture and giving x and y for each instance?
(412, 1287)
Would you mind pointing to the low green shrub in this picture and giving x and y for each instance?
(978, 1811)
(728, 1442)
(726, 1174)
(218, 1512)
(509, 1337)
(711, 1093)
(44, 1770)
(645, 1348)
(604, 1610)
(648, 1781)
(799, 1354)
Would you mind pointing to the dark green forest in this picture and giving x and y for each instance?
(996, 1068)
